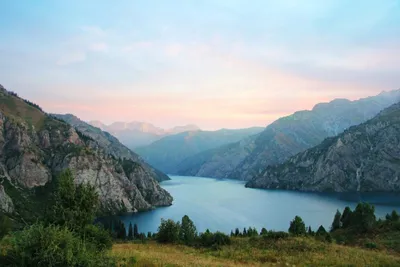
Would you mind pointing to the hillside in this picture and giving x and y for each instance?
(35, 147)
(135, 134)
(167, 153)
(288, 136)
(365, 157)
(109, 143)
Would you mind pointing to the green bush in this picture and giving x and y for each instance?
(51, 246)
(168, 231)
(371, 245)
(215, 240)
(98, 236)
(275, 235)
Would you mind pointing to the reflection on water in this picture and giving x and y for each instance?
(223, 204)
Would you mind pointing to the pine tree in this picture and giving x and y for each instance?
(297, 226)
(135, 231)
(188, 232)
(237, 232)
(336, 224)
(245, 232)
(130, 232)
(321, 231)
(149, 235)
(263, 231)
(346, 217)
(310, 232)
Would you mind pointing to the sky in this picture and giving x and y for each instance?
(213, 63)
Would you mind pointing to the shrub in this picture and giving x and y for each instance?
(371, 245)
(215, 240)
(168, 231)
(51, 246)
(276, 235)
(98, 236)
(5, 225)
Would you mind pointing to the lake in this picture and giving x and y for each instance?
(223, 205)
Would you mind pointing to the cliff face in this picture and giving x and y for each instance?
(363, 158)
(286, 137)
(35, 147)
(110, 144)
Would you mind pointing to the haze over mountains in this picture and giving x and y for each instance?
(286, 137)
(135, 134)
(168, 152)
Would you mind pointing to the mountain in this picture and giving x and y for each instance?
(363, 158)
(135, 134)
(110, 144)
(167, 153)
(35, 147)
(287, 136)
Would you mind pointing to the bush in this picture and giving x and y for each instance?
(5, 225)
(168, 231)
(51, 246)
(276, 235)
(371, 245)
(98, 236)
(215, 240)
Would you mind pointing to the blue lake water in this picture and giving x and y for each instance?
(225, 204)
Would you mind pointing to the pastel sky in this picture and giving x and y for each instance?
(214, 63)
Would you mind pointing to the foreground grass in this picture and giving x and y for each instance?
(255, 252)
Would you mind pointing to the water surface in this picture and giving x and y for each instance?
(225, 204)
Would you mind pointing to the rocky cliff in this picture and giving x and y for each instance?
(363, 158)
(35, 147)
(110, 144)
(288, 136)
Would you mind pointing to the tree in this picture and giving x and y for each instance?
(135, 231)
(149, 235)
(321, 231)
(130, 232)
(237, 232)
(121, 234)
(363, 217)
(346, 217)
(73, 206)
(168, 231)
(188, 232)
(263, 231)
(245, 232)
(297, 226)
(394, 216)
(336, 224)
(310, 232)
(5, 225)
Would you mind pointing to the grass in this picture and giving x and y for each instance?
(301, 251)
(17, 108)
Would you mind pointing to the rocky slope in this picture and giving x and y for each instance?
(290, 135)
(168, 153)
(135, 134)
(110, 144)
(35, 147)
(218, 162)
(363, 158)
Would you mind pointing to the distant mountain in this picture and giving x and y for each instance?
(135, 134)
(109, 142)
(286, 137)
(35, 147)
(167, 153)
(363, 158)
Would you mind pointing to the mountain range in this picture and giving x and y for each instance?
(365, 157)
(135, 134)
(168, 153)
(285, 137)
(35, 147)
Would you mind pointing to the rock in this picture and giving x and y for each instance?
(364, 158)
(6, 203)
